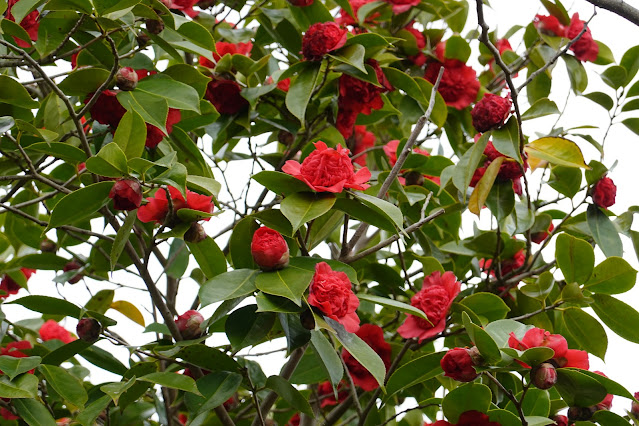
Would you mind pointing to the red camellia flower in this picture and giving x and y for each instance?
(189, 324)
(126, 194)
(604, 192)
(420, 41)
(52, 330)
(8, 415)
(331, 292)
(15, 349)
(490, 112)
(539, 237)
(560, 420)
(458, 365)
(564, 357)
(373, 335)
(507, 265)
(158, 206)
(390, 149)
(328, 170)
(401, 6)
(475, 418)
(154, 135)
(585, 49)
(185, 6)
(606, 404)
(347, 19)
(326, 395)
(549, 25)
(435, 299)
(225, 48)
(634, 407)
(269, 249)
(459, 85)
(363, 140)
(29, 23)
(321, 38)
(8, 286)
(295, 420)
(225, 96)
(359, 97)
(107, 110)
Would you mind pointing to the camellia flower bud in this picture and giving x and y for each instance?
(189, 324)
(195, 234)
(634, 408)
(544, 375)
(560, 420)
(458, 365)
(154, 26)
(604, 192)
(576, 414)
(285, 137)
(88, 329)
(72, 266)
(269, 249)
(48, 246)
(126, 194)
(491, 112)
(126, 78)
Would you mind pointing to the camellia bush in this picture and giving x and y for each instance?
(319, 170)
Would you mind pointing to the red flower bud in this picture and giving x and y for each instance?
(269, 249)
(72, 266)
(491, 112)
(544, 375)
(126, 194)
(154, 26)
(560, 420)
(48, 246)
(126, 78)
(634, 408)
(88, 329)
(458, 365)
(195, 234)
(321, 38)
(539, 237)
(576, 414)
(604, 192)
(189, 324)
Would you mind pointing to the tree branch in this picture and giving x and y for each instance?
(618, 7)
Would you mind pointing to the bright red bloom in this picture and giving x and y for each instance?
(510, 169)
(15, 349)
(8, 286)
(185, 6)
(295, 420)
(154, 135)
(549, 25)
(604, 192)
(539, 237)
(373, 335)
(458, 365)
(459, 85)
(8, 415)
(401, 6)
(321, 38)
(158, 206)
(284, 85)
(507, 265)
(223, 48)
(359, 97)
(331, 292)
(475, 418)
(126, 194)
(564, 357)
(560, 420)
(269, 249)
(606, 404)
(346, 19)
(107, 110)
(189, 324)
(363, 140)
(585, 49)
(490, 112)
(52, 330)
(29, 23)
(225, 96)
(419, 59)
(328, 170)
(326, 395)
(435, 299)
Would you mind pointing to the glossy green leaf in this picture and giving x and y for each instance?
(66, 385)
(49, 305)
(177, 94)
(506, 139)
(483, 341)
(60, 150)
(216, 388)
(13, 93)
(299, 94)
(389, 210)
(130, 135)
(228, 285)
(92, 198)
(246, 327)
(330, 359)
(291, 395)
(575, 258)
(209, 257)
(116, 389)
(471, 396)
(122, 237)
(393, 304)
(33, 412)
(416, 371)
(486, 305)
(153, 109)
(604, 232)
(91, 412)
(615, 76)
(352, 55)
(612, 276)
(279, 182)
(540, 108)
(602, 99)
(559, 151)
(302, 207)
(578, 389)
(632, 124)
(172, 380)
(100, 301)
(12, 366)
(617, 315)
(84, 81)
(586, 331)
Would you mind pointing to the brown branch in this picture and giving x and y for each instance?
(618, 7)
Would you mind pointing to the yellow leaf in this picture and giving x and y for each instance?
(483, 187)
(128, 310)
(558, 151)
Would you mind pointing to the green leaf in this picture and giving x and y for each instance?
(228, 285)
(13, 93)
(290, 282)
(506, 139)
(533, 356)
(393, 305)
(49, 305)
(209, 257)
(612, 276)
(12, 366)
(604, 232)
(280, 183)
(172, 380)
(91, 412)
(352, 55)
(66, 385)
(245, 327)
(482, 189)
(576, 73)
(457, 48)
(122, 238)
(575, 258)
(91, 198)
(501, 200)
(484, 342)
(413, 372)
(632, 124)
(541, 108)
(618, 316)
(212, 359)
(101, 301)
(608, 418)
(559, 151)
(25, 386)
(288, 393)
(110, 162)
(326, 352)
(487, 305)
(116, 389)
(240, 243)
(63, 151)
(360, 350)
(587, 331)
(578, 389)
(614, 76)
(178, 95)
(33, 412)
(153, 109)
(611, 386)
(602, 99)
(630, 62)
(465, 169)
(302, 207)
(130, 135)
(301, 89)
(216, 389)
(270, 303)
(204, 184)
(471, 396)
(84, 81)
(536, 402)
(565, 180)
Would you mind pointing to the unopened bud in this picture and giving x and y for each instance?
(189, 324)
(458, 365)
(634, 408)
(307, 319)
(143, 39)
(544, 375)
(126, 193)
(269, 249)
(414, 178)
(560, 420)
(126, 78)
(72, 266)
(88, 329)
(195, 233)
(154, 26)
(285, 138)
(576, 414)
(475, 356)
(48, 246)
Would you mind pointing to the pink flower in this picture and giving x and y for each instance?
(538, 337)
(331, 292)
(157, 207)
(435, 299)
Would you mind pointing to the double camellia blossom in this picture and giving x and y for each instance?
(189, 324)
(373, 335)
(157, 207)
(390, 149)
(126, 194)
(225, 96)
(435, 299)
(458, 365)
(604, 192)
(331, 292)
(510, 169)
(52, 330)
(327, 396)
(30, 23)
(321, 38)
(564, 357)
(225, 48)
(490, 112)
(8, 286)
(585, 49)
(328, 170)
(269, 249)
(459, 85)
